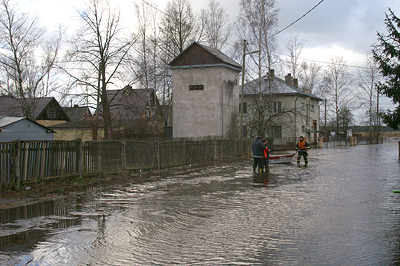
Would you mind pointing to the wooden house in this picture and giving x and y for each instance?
(45, 111)
(135, 113)
(81, 125)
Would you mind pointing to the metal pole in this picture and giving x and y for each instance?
(241, 98)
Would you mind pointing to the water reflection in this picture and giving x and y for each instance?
(340, 210)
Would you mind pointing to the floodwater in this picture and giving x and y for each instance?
(340, 210)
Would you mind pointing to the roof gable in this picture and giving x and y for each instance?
(11, 106)
(200, 55)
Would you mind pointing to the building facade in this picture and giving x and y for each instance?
(278, 109)
(205, 97)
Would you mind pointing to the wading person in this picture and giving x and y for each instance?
(302, 149)
(258, 148)
(266, 155)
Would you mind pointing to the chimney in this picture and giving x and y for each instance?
(296, 83)
(289, 79)
(271, 74)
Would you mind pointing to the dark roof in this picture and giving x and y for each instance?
(129, 104)
(201, 55)
(11, 106)
(278, 86)
(77, 113)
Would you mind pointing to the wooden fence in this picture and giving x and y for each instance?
(31, 161)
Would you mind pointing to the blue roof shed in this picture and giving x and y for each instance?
(12, 128)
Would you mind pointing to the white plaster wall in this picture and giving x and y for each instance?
(205, 112)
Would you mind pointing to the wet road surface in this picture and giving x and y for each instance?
(340, 210)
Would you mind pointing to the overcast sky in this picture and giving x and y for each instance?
(345, 28)
(335, 28)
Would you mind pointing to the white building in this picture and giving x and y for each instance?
(288, 112)
(205, 95)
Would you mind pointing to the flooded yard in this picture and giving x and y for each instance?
(340, 210)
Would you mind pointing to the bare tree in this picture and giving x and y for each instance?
(295, 47)
(97, 55)
(368, 78)
(215, 25)
(257, 24)
(178, 28)
(311, 77)
(142, 61)
(338, 92)
(26, 59)
(345, 120)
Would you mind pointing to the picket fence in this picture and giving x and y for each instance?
(31, 161)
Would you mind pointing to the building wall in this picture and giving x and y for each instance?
(49, 123)
(73, 134)
(297, 116)
(24, 130)
(207, 112)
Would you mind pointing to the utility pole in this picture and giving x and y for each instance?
(241, 98)
(378, 126)
(326, 133)
(242, 92)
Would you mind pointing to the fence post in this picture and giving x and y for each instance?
(99, 148)
(184, 143)
(16, 159)
(79, 157)
(158, 155)
(123, 151)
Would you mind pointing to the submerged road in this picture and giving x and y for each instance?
(340, 210)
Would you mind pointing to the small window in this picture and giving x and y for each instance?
(196, 87)
(277, 107)
(244, 131)
(312, 108)
(244, 108)
(51, 113)
(277, 132)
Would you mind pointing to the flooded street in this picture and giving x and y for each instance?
(340, 210)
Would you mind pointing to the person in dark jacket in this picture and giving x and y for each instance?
(302, 149)
(258, 148)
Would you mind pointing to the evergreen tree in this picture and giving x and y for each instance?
(387, 55)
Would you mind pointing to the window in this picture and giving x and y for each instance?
(244, 108)
(196, 87)
(277, 132)
(303, 128)
(276, 107)
(51, 112)
(244, 131)
(312, 108)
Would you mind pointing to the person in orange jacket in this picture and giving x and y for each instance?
(302, 149)
(266, 155)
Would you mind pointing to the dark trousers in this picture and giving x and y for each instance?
(304, 154)
(266, 164)
(258, 162)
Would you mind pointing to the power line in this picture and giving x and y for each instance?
(294, 22)
(328, 63)
(151, 5)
